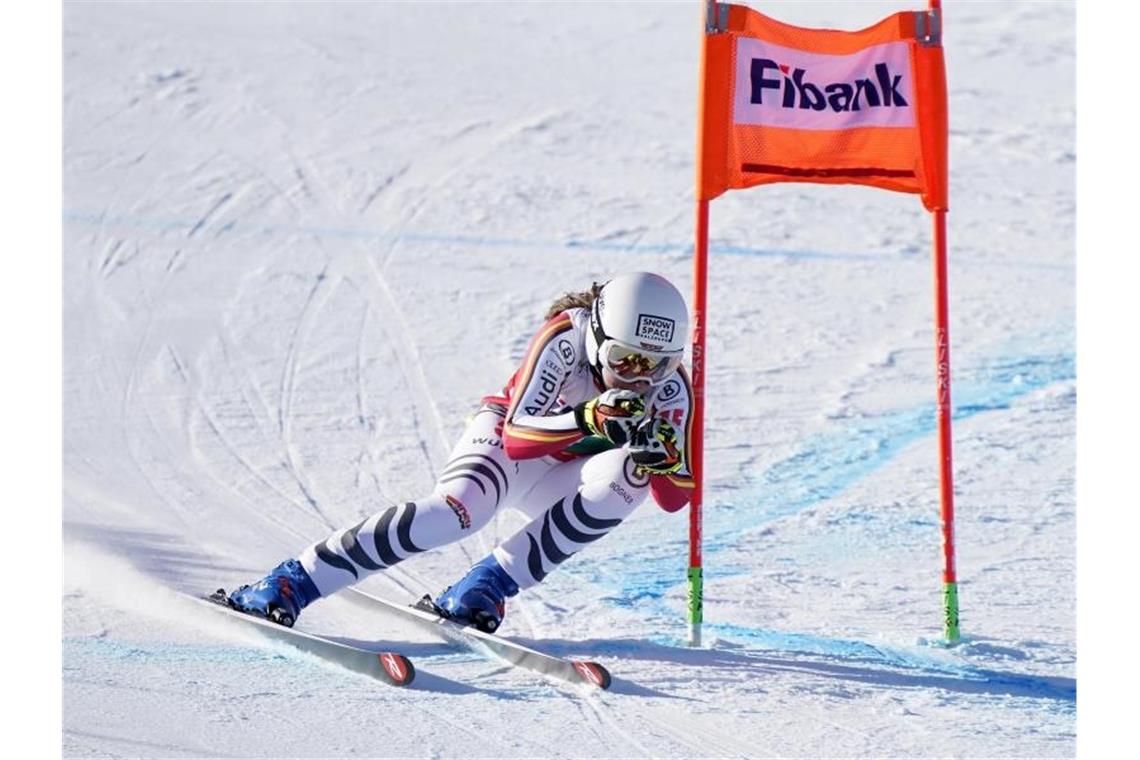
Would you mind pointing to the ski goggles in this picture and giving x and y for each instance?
(634, 364)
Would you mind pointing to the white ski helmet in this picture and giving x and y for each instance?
(639, 327)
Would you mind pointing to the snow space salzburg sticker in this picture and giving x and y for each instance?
(658, 329)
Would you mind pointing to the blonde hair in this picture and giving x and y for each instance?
(580, 300)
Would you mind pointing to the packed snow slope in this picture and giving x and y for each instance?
(302, 240)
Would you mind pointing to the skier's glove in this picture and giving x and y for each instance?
(654, 449)
(615, 415)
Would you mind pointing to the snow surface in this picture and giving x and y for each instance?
(302, 239)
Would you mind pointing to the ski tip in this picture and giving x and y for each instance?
(398, 669)
(593, 674)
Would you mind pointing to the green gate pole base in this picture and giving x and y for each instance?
(950, 605)
(696, 605)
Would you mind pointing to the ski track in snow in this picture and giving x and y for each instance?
(275, 262)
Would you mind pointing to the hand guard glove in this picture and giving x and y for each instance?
(615, 415)
(653, 448)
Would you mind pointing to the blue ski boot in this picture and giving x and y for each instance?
(279, 596)
(479, 598)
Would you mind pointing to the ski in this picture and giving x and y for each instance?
(424, 615)
(391, 667)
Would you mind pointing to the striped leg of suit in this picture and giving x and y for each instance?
(373, 544)
(477, 480)
(608, 493)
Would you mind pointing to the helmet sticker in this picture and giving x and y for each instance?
(655, 328)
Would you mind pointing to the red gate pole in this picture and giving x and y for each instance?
(696, 455)
(696, 445)
(945, 439)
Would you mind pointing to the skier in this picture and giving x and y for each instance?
(595, 419)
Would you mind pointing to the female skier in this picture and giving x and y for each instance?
(596, 418)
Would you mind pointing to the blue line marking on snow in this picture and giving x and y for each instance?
(847, 649)
(166, 653)
(153, 652)
(129, 221)
(685, 249)
(926, 668)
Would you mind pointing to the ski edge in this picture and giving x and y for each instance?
(390, 667)
(574, 671)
